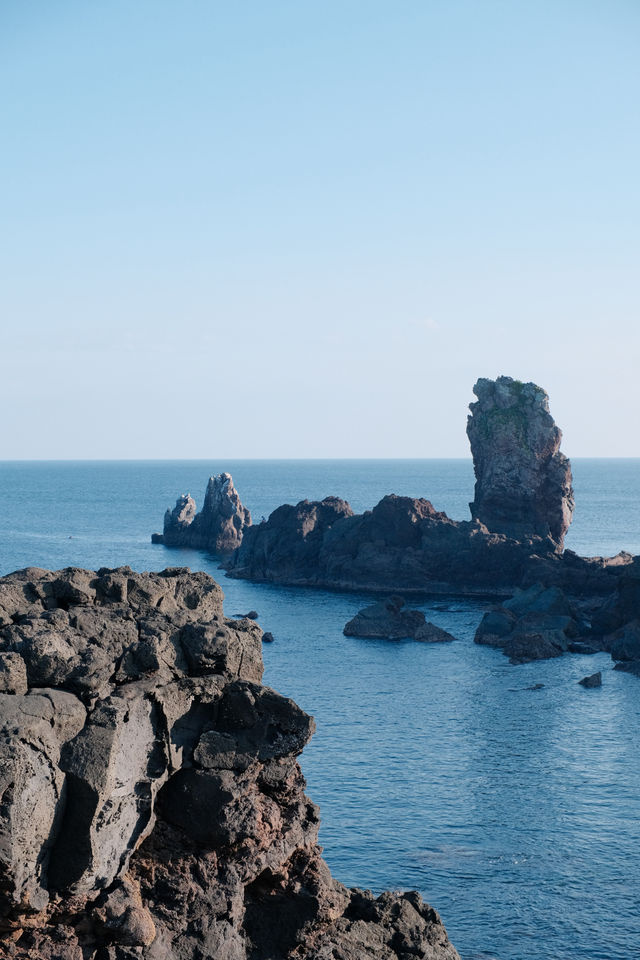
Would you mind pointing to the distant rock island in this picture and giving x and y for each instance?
(521, 511)
(152, 805)
(219, 525)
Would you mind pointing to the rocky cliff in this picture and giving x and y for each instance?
(218, 527)
(523, 482)
(151, 803)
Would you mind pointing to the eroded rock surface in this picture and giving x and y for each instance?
(218, 527)
(523, 482)
(151, 803)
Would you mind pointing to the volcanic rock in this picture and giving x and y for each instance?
(595, 680)
(523, 482)
(431, 633)
(218, 527)
(151, 803)
(535, 624)
(386, 619)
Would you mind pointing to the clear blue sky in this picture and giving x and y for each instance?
(271, 229)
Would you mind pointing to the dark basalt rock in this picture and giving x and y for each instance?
(387, 619)
(535, 624)
(406, 546)
(523, 482)
(431, 633)
(151, 802)
(595, 680)
(218, 527)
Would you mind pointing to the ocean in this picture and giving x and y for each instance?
(515, 812)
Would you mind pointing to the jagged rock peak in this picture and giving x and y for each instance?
(152, 805)
(218, 527)
(523, 482)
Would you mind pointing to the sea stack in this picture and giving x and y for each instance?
(523, 483)
(218, 527)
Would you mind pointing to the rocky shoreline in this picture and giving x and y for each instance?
(151, 803)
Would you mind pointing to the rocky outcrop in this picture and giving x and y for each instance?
(387, 619)
(218, 527)
(535, 624)
(391, 620)
(592, 681)
(523, 482)
(615, 625)
(151, 803)
(406, 546)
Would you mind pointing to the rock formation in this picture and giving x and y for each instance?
(387, 620)
(390, 620)
(535, 624)
(151, 804)
(218, 527)
(406, 546)
(523, 482)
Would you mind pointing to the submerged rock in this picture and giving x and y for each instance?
(152, 803)
(218, 527)
(523, 482)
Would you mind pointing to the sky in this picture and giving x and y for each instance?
(304, 229)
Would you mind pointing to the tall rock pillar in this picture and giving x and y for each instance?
(523, 482)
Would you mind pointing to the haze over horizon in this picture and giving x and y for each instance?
(290, 230)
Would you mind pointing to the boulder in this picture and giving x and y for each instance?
(595, 680)
(430, 633)
(534, 624)
(151, 802)
(524, 645)
(523, 482)
(218, 527)
(625, 642)
(387, 619)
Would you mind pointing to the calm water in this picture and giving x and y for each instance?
(515, 812)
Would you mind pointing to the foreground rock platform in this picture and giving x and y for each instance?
(151, 803)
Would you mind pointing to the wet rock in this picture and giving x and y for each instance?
(523, 482)
(151, 802)
(387, 619)
(267, 637)
(625, 642)
(495, 626)
(430, 633)
(534, 624)
(582, 646)
(218, 527)
(595, 680)
(524, 646)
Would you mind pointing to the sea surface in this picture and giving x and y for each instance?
(515, 812)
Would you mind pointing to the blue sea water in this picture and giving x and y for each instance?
(515, 812)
